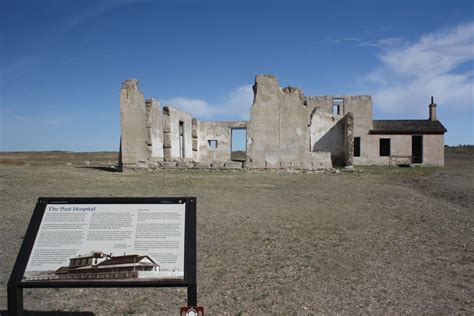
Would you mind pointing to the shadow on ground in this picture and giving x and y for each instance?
(108, 169)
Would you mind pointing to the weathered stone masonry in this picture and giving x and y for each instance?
(287, 130)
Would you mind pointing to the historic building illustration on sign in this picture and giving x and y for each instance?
(98, 265)
(286, 130)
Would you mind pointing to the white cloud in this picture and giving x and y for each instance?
(389, 41)
(412, 72)
(435, 53)
(342, 40)
(352, 39)
(384, 42)
(334, 41)
(195, 107)
(236, 105)
(238, 102)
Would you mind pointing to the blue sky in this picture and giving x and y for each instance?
(62, 62)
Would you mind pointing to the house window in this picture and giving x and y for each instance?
(212, 144)
(356, 146)
(337, 104)
(384, 147)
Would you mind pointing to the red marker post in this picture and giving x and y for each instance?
(192, 311)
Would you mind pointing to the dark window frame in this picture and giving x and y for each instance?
(385, 147)
(337, 106)
(211, 141)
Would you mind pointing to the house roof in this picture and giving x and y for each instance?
(63, 270)
(407, 127)
(93, 254)
(123, 260)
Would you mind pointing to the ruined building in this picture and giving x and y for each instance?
(287, 130)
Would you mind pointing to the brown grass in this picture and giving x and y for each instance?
(376, 240)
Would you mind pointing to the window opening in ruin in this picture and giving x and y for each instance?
(212, 144)
(181, 139)
(384, 147)
(337, 104)
(417, 149)
(356, 146)
(238, 144)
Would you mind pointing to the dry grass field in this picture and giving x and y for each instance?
(376, 240)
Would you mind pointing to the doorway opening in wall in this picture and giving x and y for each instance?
(356, 146)
(417, 149)
(181, 139)
(238, 144)
(337, 104)
(384, 147)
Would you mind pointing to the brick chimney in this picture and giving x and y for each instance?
(432, 107)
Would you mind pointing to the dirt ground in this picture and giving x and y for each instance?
(378, 240)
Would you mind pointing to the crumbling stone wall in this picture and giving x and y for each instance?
(277, 132)
(220, 132)
(154, 129)
(287, 130)
(132, 121)
(348, 139)
(361, 108)
(293, 130)
(263, 137)
(327, 134)
(196, 127)
(141, 138)
(173, 118)
(324, 103)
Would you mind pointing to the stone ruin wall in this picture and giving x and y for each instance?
(133, 118)
(286, 130)
(221, 132)
(289, 130)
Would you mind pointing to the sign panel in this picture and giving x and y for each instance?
(109, 242)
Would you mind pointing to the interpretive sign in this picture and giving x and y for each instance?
(107, 242)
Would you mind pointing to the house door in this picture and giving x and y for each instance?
(181, 139)
(238, 144)
(417, 149)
